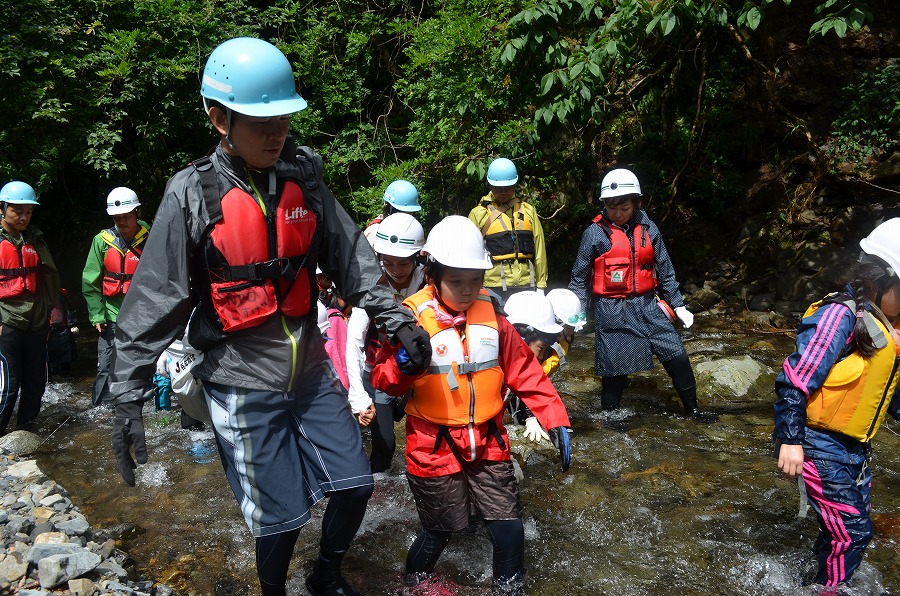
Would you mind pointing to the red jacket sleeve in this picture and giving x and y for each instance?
(525, 376)
(386, 375)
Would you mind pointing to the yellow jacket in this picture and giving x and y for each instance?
(517, 273)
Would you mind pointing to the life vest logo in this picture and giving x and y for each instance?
(295, 215)
(616, 277)
(28, 250)
(441, 350)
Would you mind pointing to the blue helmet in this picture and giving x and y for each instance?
(502, 172)
(402, 195)
(18, 193)
(251, 77)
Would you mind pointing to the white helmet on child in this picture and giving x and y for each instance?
(884, 243)
(567, 307)
(399, 235)
(324, 325)
(457, 242)
(533, 309)
(618, 183)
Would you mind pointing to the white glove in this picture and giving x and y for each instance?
(534, 431)
(74, 330)
(685, 316)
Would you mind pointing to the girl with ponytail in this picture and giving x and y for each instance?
(832, 395)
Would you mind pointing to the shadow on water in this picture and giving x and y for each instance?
(653, 504)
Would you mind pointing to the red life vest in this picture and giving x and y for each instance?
(625, 270)
(118, 265)
(18, 269)
(258, 266)
(58, 315)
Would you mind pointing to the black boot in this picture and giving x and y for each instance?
(326, 579)
(611, 389)
(693, 410)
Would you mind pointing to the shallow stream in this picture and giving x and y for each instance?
(653, 503)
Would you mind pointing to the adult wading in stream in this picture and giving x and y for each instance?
(833, 393)
(29, 286)
(624, 267)
(108, 270)
(243, 229)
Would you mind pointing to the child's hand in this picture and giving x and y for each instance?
(790, 460)
(367, 416)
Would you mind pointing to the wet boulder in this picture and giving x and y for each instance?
(738, 379)
(21, 442)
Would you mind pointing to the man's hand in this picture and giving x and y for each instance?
(128, 433)
(416, 344)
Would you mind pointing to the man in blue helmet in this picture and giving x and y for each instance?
(512, 234)
(242, 230)
(29, 286)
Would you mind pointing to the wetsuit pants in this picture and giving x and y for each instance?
(838, 484)
(105, 345)
(23, 374)
(678, 368)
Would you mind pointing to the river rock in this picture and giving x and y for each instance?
(56, 569)
(732, 379)
(21, 442)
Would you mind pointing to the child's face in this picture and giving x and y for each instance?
(399, 269)
(459, 287)
(890, 301)
(541, 349)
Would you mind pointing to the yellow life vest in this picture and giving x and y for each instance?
(855, 396)
(509, 238)
(463, 382)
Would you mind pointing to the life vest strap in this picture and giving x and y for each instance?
(17, 271)
(443, 434)
(464, 368)
(278, 268)
(118, 276)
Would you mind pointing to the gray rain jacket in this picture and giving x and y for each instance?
(270, 356)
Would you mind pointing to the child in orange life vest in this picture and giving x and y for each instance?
(457, 450)
(397, 242)
(622, 264)
(833, 393)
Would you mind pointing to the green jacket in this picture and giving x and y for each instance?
(34, 312)
(102, 309)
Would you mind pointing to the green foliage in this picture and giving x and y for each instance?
(870, 121)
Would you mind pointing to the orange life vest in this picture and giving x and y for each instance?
(625, 270)
(463, 383)
(119, 265)
(258, 264)
(855, 395)
(19, 267)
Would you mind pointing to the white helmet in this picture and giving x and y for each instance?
(884, 243)
(457, 242)
(324, 325)
(619, 183)
(121, 200)
(399, 235)
(567, 307)
(533, 309)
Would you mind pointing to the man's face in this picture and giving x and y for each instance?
(503, 194)
(17, 217)
(127, 223)
(258, 141)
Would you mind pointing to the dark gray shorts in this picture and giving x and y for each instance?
(282, 452)
(444, 502)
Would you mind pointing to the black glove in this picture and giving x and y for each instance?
(418, 347)
(559, 436)
(128, 432)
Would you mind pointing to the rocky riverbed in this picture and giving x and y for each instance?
(49, 547)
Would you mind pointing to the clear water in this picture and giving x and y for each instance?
(653, 503)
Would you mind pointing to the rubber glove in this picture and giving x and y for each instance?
(415, 349)
(74, 330)
(559, 436)
(685, 316)
(534, 431)
(128, 433)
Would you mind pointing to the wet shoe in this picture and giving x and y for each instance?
(701, 416)
(338, 587)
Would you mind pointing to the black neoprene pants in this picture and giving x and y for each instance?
(342, 518)
(678, 368)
